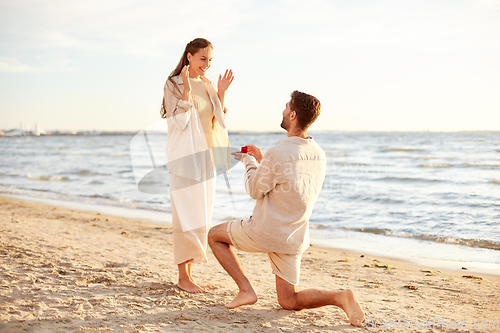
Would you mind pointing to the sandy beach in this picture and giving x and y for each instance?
(70, 271)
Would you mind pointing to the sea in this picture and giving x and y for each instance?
(424, 197)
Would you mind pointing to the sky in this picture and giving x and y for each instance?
(395, 65)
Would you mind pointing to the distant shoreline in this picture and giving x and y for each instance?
(5, 134)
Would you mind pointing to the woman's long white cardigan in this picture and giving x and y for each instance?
(191, 170)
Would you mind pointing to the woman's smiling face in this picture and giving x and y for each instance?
(200, 62)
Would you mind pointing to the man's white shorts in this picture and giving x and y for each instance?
(286, 266)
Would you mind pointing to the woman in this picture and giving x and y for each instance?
(197, 142)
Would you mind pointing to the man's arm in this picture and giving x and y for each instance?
(260, 179)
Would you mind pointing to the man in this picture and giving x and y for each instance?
(285, 182)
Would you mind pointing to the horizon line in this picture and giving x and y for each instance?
(232, 132)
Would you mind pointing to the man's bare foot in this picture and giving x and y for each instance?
(352, 308)
(243, 298)
(190, 287)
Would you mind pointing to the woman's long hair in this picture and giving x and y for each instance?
(192, 47)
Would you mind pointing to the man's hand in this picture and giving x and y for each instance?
(255, 152)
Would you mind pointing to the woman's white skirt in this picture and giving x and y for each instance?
(192, 205)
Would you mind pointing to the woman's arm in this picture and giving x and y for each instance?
(186, 94)
(178, 109)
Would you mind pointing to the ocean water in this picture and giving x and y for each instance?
(425, 197)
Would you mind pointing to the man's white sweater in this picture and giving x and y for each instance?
(286, 185)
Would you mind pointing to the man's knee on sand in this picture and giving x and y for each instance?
(289, 300)
(288, 303)
(287, 295)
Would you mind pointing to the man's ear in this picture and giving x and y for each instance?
(293, 115)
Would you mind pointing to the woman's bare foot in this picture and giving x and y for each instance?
(186, 282)
(190, 286)
(352, 308)
(243, 298)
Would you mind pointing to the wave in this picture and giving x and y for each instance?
(86, 199)
(47, 178)
(318, 226)
(97, 196)
(352, 163)
(436, 165)
(425, 157)
(8, 175)
(480, 243)
(375, 199)
(86, 173)
(481, 165)
(402, 149)
(386, 201)
(335, 155)
(434, 157)
(410, 179)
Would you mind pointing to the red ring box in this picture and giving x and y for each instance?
(244, 150)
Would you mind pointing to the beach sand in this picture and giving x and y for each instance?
(63, 270)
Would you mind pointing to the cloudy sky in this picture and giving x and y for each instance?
(374, 65)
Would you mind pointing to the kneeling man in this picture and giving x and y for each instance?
(286, 182)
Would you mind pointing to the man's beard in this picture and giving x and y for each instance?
(284, 125)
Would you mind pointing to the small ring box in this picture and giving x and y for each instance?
(244, 150)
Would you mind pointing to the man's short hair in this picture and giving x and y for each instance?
(307, 108)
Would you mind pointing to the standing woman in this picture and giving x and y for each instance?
(197, 142)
